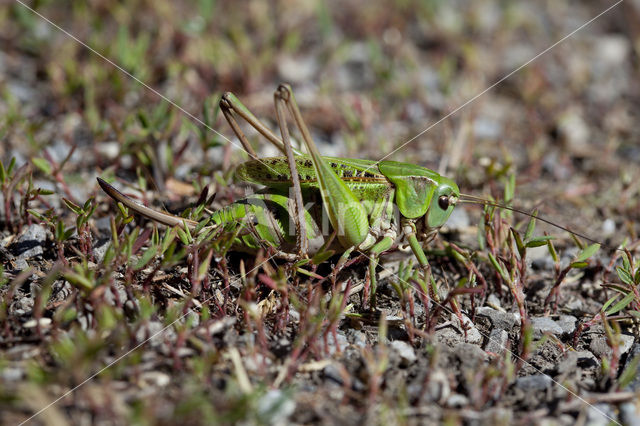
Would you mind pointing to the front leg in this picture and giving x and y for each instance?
(409, 229)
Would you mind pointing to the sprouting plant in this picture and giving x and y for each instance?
(83, 214)
(59, 230)
(579, 261)
(10, 177)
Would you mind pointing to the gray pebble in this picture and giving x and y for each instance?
(332, 373)
(357, 337)
(11, 374)
(600, 347)
(497, 342)
(100, 249)
(470, 355)
(275, 407)
(406, 351)
(30, 243)
(543, 325)
(535, 382)
(500, 320)
(629, 413)
(459, 219)
(457, 401)
(567, 323)
(600, 415)
(337, 343)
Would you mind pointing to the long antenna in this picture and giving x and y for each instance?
(466, 198)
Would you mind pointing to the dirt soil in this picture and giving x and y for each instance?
(106, 318)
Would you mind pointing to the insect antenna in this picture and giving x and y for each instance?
(471, 199)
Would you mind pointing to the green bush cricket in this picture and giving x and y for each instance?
(368, 204)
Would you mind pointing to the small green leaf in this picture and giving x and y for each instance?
(621, 304)
(498, 267)
(579, 265)
(78, 280)
(72, 206)
(37, 215)
(183, 236)
(539, 241)
(519, 243)
(12, 164)
(609, 302)
(42, 164)
(531, 226)
(146, 257)
(552, 251)
(624, 275)
(587, 252)
(3, 173)
(322, 256)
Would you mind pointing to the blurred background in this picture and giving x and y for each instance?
(368, 75)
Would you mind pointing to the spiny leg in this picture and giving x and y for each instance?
(230, 105)
(302, 243)
(346, 213)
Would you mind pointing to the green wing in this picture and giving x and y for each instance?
(274, 172)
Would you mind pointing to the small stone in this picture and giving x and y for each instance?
(500, 320)
(600, 347)
(543, 325)
(567, 323)
(494, 302)
(406, 351)
(497, 342)
(275, 407)
(19, 264)
(332, 373)
(10, 374)
(297, 70)
(155, 333)
(469, 355)
(535, 382)
(472, 333)
(357, 337)
(608, 227)
(32, 323)
(586, 359)
(459, 219)
(575, 131)
(30, 243)
(486, 128)
(457, 401)
(337, 343)
(629, 413)
(438, 387)
(601, 415)
(108, 149)
(100, 249)
(155, 378)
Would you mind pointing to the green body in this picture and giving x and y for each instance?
(377, 188)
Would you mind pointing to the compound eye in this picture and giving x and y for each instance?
(443, 202)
